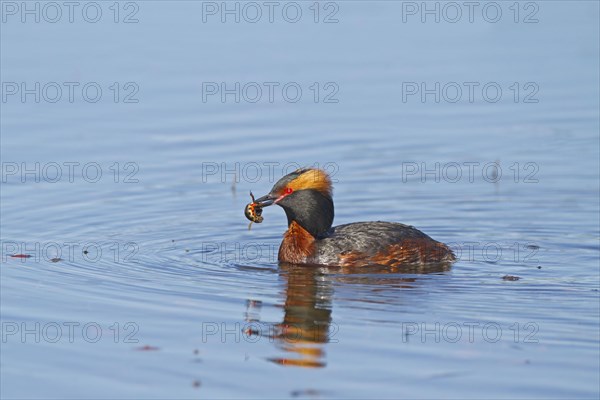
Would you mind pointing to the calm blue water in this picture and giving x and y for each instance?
(145, 282)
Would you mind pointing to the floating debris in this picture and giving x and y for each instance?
(306, 393)
(511, 278)
(20, 255)
(147, 348)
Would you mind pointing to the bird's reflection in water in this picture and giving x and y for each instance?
(307, 325)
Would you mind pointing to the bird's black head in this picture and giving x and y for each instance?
(305, 196)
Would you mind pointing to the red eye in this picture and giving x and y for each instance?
(288, 190)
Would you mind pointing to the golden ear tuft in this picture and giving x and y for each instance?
(315, 179)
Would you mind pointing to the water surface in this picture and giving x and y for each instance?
(189, 302)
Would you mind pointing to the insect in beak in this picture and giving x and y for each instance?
(253, 212)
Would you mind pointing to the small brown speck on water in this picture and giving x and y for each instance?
(147, 348)
(56, 259)
(511, 278)
(305, 393)
(20, 256)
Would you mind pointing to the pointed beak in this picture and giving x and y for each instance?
(265, 201)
